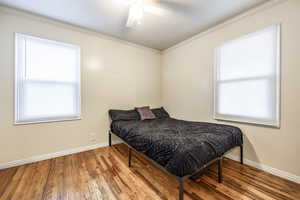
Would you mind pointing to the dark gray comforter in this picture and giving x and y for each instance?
(181, 147)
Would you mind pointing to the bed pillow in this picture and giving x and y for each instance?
(145, 113)
(125, 115)
(160, 113)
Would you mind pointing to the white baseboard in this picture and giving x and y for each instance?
(53, 155)
(251, 163)
(271, 170)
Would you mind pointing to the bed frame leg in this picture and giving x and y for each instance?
(242, 154)
(109, 138)
(181, 189)
(129, 157)
(220, 177)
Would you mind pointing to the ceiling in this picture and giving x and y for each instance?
(165, 22)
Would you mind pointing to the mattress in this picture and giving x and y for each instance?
(181, 147)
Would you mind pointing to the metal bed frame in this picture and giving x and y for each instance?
(180, 179)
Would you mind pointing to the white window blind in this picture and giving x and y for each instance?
(47, 80)
(247, 78)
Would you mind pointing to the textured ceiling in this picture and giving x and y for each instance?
(165, 23)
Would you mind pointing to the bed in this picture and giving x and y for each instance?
(181, 148)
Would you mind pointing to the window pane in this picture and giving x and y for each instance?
(247, 78)
(50, 61)
(47, 100)
(252, 99)
(250, 56)
(47, 80)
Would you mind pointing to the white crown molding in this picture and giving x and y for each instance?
(21, 13)
(251, 12)
(271, 170)
(53, 155)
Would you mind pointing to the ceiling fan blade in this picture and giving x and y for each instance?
(183, 6)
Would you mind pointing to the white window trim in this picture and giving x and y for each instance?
(278, 85)
(17, 121)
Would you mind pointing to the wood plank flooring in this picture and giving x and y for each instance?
(103, 174)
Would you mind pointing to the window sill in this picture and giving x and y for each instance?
(254, 123)
(47, 121)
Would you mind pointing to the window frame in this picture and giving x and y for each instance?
(248, 120)
(19, 82)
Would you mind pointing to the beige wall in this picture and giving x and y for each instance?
(187, 85)
(115, 74)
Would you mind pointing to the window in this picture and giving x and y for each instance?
(247, 78)
(47, 80)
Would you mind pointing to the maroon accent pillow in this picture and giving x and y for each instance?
(145, 113)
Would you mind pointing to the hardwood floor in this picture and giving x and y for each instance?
(103, 174)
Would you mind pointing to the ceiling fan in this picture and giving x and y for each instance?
(136, 13)
(137, 8)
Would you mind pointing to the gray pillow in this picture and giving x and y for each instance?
(125, 115)
(160, 113)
